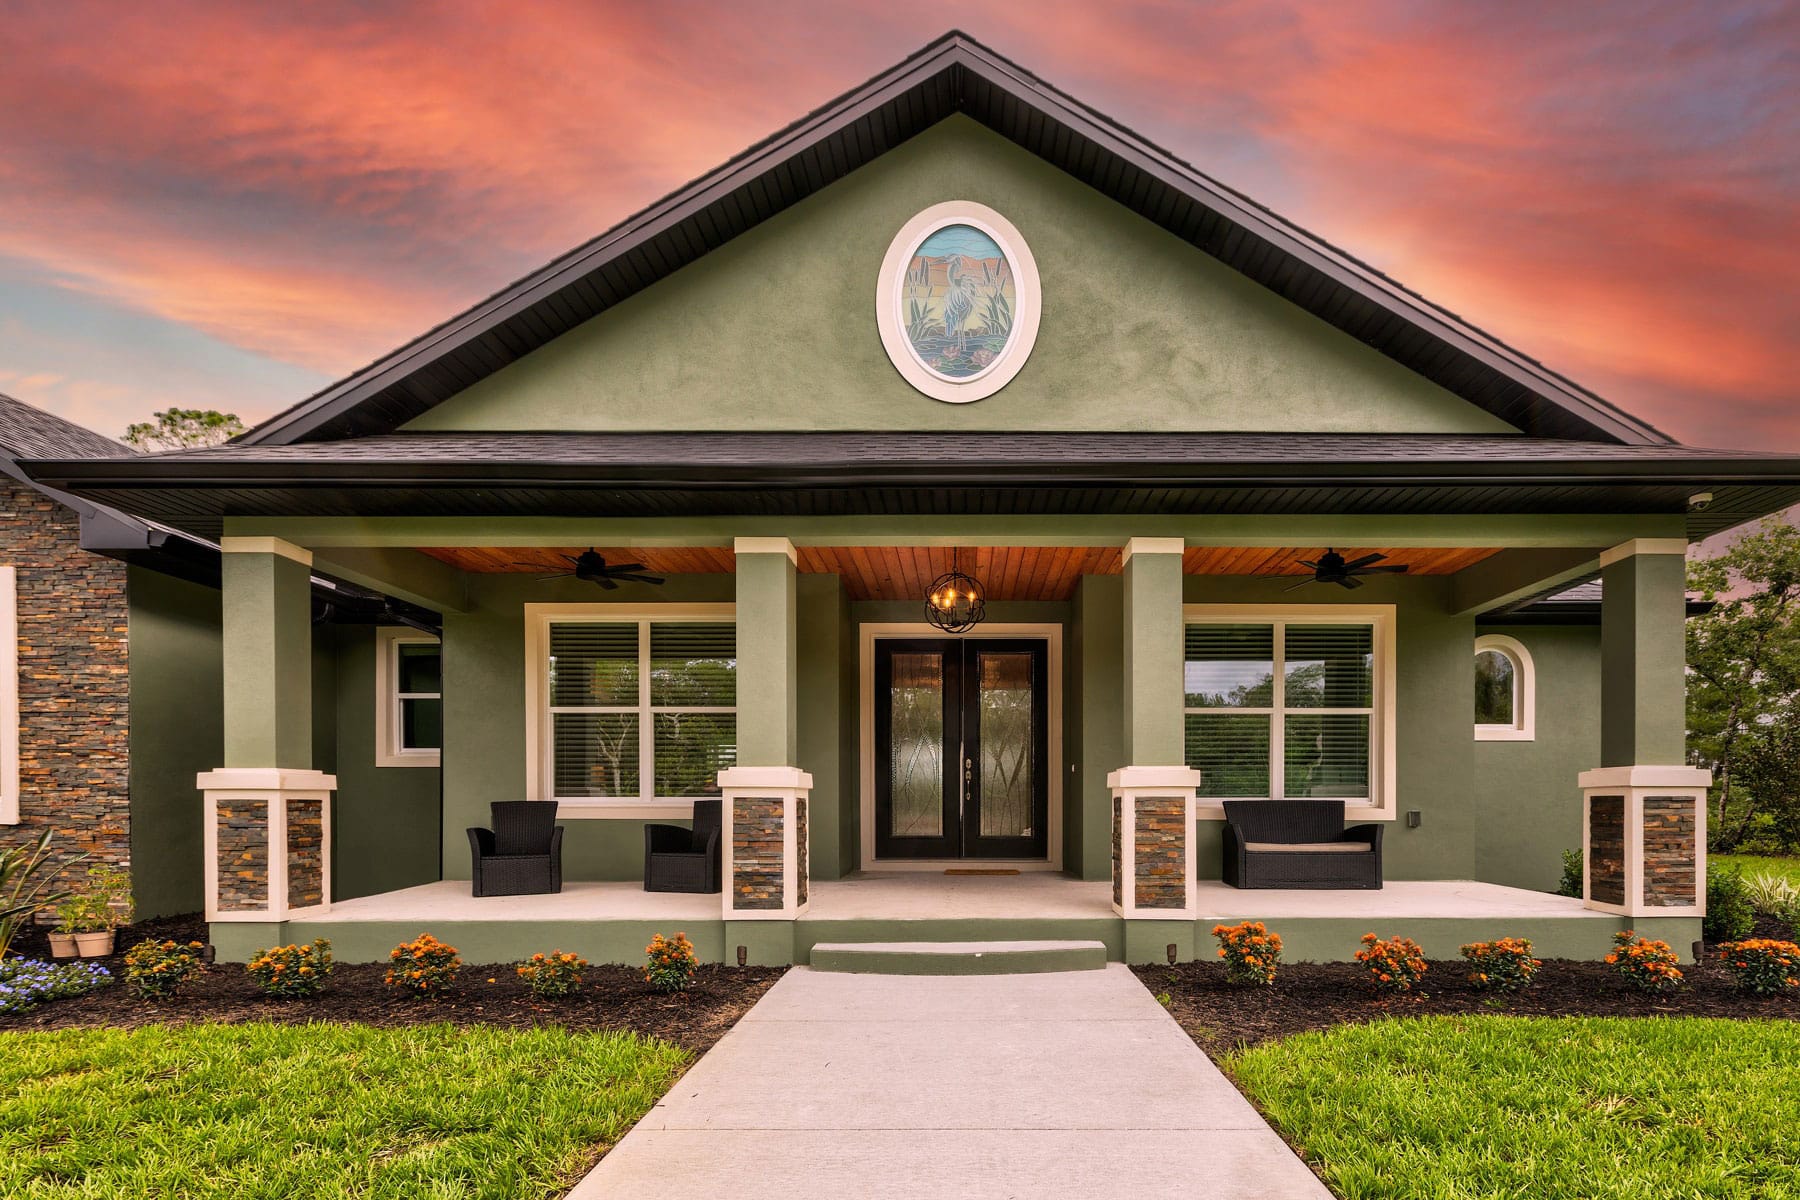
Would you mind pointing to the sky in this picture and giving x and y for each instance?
(229, 205)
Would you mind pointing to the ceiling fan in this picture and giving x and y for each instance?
(1331, 568)
(590, 566)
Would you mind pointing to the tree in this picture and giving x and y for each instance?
(183, 429)
(1744, 666)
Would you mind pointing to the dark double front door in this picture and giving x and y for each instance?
(961, 748)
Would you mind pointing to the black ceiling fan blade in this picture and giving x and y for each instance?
(1397, 569)
(632, 578)
(1364, 561)
(604, 581)
(1309, 564)
(1348, 581)
(559, 575)
(623, 568)
(1296, 587)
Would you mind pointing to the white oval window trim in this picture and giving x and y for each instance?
(889, 296)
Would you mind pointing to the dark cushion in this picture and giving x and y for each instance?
(523, 826)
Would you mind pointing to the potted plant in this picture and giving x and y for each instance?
(92, 916)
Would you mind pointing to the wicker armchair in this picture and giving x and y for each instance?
(684, 860)
(522, 854)
(1299, 844)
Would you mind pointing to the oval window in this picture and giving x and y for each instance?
(958, 302)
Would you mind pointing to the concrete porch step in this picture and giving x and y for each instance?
(958, 958)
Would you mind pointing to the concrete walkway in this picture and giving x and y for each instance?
(1059, 1085)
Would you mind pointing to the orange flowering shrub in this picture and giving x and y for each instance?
(1394, 965)
(553, 975)
(292, 972)
(669, 964)
(157, 969)
(1648, 966)
(1250, 951)
(1505, 965)
(1763, 965)
(423, 966)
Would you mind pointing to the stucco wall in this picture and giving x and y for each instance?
(176, 733)
(776, 330)
(1526, 791)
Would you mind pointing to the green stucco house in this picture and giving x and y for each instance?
(953, 321)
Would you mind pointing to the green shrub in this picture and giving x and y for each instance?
(1505, 965)
(157, 969)
(1646, 965)
(1771, 894)
(1763, 965)
(1730, 916)
(1394, 965)
(1250, 951)
(423, 967)
(669, 963)
(292, 972)
(554, 975)
(1570, 884)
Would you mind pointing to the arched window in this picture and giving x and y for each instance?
(1505, 690)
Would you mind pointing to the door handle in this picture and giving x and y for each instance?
(968, 777)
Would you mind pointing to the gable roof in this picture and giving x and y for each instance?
(956, 74)
(27, 431)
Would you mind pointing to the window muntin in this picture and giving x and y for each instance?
(409, 699)
(642, 710)
(1505, 690)
(1315, 735)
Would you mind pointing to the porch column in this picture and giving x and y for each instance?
(1154, 794)
(1644, 809)
(268, 813)
(766, 793)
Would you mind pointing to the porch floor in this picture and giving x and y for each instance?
(937, 897)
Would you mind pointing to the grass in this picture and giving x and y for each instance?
(1785, 865)
(262, 1110)
(1454, 1108)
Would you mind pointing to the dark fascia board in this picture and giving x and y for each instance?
(1698, 469)
(1583, 612)
(951, 62)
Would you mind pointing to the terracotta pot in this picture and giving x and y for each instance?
(95, 945)
(62, 945)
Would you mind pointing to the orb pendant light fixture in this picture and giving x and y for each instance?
(956, 602)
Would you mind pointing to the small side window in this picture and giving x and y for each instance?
(409, 699)
(1505, 699)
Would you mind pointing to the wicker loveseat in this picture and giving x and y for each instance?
(1298, 844)
(521, 855)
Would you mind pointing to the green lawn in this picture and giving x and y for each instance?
(1462, 1107)
(1752, 865)
(317, 1110)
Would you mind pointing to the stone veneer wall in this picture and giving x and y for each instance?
(756, 852)
(1161, 852)
(1606, 849)
(74, 683)
(244, 855)
(1118, 851)
(802, 862)
(1669, 851)
(305, 836)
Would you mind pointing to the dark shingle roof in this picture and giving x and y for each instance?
(27, 431)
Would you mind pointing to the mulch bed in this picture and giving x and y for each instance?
(613, 997)
(1307, 996)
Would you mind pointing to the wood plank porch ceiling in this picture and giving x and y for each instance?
(905, 572)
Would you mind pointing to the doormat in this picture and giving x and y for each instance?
(981, 870)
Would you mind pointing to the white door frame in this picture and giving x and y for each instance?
(1052, 635)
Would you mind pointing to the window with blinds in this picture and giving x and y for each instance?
(640, 709)
(1281, 708)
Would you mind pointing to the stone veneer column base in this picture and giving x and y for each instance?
(268, 843)
(1643, 840)
(1153, 842)
(764, 848)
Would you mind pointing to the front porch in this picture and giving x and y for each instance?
(612, 921)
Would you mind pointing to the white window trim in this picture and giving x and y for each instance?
(539, 746)
(1524, 726)
(388, 720)
(1383, 801)
(9, 696)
